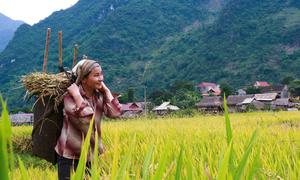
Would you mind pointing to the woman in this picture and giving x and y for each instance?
(87, 96)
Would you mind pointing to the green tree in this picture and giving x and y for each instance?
(130, 95)
(185, 99)
(159, 96)
(287, 80)
(226, 88)
(253, 90)
(295, 87)
(124, 98)
(182, 85)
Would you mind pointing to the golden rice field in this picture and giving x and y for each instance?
(145, 148)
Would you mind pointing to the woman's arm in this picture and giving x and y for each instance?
(112, 107)
(74, 92)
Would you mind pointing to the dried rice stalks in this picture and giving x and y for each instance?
(43, 85)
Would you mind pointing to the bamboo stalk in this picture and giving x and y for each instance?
(60, 47)
(46, 49)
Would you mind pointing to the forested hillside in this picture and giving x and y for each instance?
(251, 40)
(156, 43)
(118, 33)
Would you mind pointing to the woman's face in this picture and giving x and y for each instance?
(94, 79)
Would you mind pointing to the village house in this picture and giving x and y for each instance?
(234, 100)
(131, 109)
(164, 108)
(209, 89)
(271, 97)
(241, 92)
(259, 84)
(21, 119)
(282, 104)
(281, 90)
(258, 102)
(212, 104)
(266, 97)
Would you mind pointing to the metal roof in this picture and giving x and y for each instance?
(165, 106)
(265, 97)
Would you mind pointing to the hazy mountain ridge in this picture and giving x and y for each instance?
(7, 29)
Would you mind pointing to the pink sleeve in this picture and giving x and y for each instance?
(112, 109)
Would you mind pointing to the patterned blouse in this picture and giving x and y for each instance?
(76, 122)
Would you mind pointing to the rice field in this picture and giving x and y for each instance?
(257, 145)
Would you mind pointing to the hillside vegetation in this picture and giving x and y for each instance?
(156, 43)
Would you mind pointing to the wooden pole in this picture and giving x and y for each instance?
(145, 100)
(46, 49)
(75, 55)
(60, 47)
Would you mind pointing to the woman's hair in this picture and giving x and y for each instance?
(83, 68)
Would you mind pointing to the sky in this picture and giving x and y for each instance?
(32, 11)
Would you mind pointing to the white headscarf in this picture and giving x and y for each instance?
(83, 68)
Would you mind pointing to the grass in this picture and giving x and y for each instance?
(198, 147)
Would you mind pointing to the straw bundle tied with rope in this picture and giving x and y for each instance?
(46, 85)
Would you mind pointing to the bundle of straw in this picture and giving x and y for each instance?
(46, 85)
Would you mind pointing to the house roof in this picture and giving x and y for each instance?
(258, 104)
(261, 84)
(207, 84)
(241, 92)
(216, 91)
(274, 88)
(21, 117)
(236, 99)
(165, 106)
(247, 100)
(209, 101)
(281, 102)
(265, 97)
(131, 107)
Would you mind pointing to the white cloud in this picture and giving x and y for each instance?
(32, 11)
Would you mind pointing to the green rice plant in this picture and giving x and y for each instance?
(243, 162)
(22, 169)
(95, 161)
(116, 157)
(81, 168)
(126, 160)
(224, 171)
(204, 142)
(229, 157)
(147, 161)
(227, 122)
(6, 153)
(255, 166)
(189, 165)
(179, 164)
(162, 164)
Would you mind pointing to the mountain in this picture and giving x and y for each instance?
(156, 43)
(7, 29)
(119, 33)
(251, 40)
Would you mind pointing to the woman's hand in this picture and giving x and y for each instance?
(74, 91)
(104, 89)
